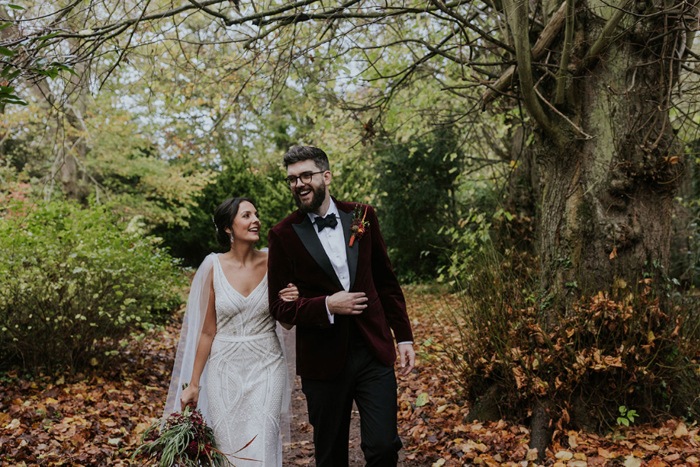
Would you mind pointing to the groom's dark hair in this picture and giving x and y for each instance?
(304, 153)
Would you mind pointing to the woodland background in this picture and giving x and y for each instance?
(534, 162)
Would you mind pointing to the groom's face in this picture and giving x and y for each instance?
(308, 195)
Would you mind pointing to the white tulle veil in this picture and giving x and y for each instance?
(187, 348)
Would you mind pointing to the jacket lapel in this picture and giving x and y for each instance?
(354, 252)
(306, 232)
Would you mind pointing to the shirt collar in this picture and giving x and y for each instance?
(332, 209)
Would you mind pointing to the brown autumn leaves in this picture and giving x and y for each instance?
(96, 418)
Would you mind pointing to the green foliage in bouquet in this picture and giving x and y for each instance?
(185, 441)
(75, 281)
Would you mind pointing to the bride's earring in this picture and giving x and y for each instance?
(230, 236)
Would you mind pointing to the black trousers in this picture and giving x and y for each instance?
(373, 388)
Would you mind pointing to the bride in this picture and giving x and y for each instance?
(229, 353)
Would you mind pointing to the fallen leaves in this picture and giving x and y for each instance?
(96, 419)
(437, 433)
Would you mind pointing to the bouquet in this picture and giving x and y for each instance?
(184, 441)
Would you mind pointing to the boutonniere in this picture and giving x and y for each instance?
(358, 226)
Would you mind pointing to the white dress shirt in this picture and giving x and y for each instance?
(333, 242)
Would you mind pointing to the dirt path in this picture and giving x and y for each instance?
(300, 450)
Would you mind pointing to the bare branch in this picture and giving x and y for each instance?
(576, 127)
(128, 43)
(547, 36)
(448, 9)
(565, 53)
(517, 13)
(211, 12)
(604, 39)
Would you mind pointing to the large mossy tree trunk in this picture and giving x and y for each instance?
(607, 152)
(607, 199)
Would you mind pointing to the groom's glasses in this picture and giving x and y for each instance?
(305, 178)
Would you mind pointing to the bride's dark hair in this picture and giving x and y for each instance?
(224, 216)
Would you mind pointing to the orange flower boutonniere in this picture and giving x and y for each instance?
(358, 226)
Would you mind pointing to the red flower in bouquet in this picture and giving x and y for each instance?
(193, 449)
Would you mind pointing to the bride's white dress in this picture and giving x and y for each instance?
(246, 376)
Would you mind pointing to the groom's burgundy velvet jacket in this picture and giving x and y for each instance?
(297, 256)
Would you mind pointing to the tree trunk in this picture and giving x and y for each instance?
(523, 192)
(607, 200)
(608, 156)
(75, 183)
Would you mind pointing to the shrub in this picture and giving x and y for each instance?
(417, 181)
(588, 357)
(74, 281)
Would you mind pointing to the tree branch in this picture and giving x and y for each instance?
(211, 12)
(447, 9)
(517, 14)
(549, 33)
(565, 54)
(576, 127)
(128, 43)
(603, 40)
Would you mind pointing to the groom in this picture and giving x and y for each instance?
(350, 302)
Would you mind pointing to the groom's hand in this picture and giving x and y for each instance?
(407, 358)
(347, 303)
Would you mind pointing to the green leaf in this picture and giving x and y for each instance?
(6, 25)
(49, 36)
(7, 52)
(16, 7)
(61, 66)
(422, 399)
(51, 73)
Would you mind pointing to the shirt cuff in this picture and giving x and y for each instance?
(331, 316)
(405, 342)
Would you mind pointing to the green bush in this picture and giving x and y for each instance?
(75, 281)
(417, 182)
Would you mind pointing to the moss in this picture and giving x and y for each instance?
(585, 214)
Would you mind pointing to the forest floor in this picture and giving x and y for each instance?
(95, 418)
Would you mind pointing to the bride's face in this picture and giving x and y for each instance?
(246, 225)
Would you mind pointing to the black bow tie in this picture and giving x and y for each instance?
(329, 221)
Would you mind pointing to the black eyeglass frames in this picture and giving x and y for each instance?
(305, 178)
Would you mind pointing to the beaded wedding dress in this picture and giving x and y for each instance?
(246, 376)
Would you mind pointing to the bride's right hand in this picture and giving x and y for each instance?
(289, 293)
(189, 396)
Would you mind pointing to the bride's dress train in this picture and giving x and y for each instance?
(246, 376)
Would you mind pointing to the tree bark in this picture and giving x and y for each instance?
(607, 201)
(540, 430)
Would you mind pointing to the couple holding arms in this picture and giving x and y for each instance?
(327, 273)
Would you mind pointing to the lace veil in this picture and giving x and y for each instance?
(187, 348)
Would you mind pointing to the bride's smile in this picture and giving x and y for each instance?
(246, 225)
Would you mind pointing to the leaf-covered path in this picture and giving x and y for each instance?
(95, 418)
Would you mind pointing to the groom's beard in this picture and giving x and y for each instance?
(319, 196)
